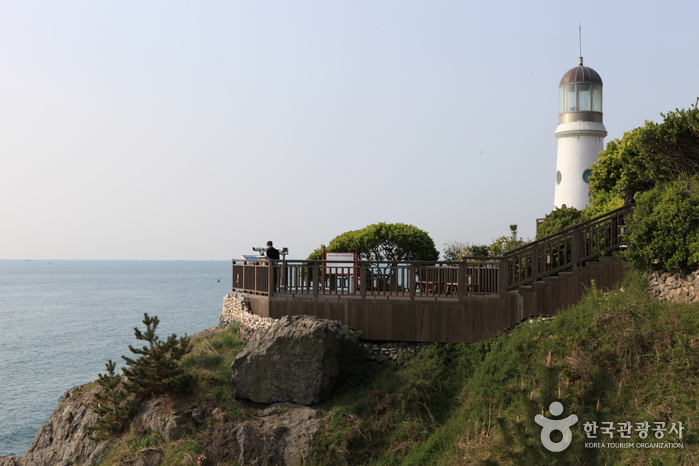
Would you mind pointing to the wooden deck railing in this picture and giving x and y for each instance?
(474, 276)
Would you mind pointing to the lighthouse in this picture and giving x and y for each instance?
(580, 134)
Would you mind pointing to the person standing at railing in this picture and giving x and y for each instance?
(628, 197)
(272, 254)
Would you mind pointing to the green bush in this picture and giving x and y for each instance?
(664, 229)
(385, 242)
(558, 220)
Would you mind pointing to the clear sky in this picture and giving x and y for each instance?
(198, 129)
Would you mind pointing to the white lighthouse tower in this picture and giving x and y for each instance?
(580, 134)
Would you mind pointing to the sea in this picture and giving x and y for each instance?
(61, 321)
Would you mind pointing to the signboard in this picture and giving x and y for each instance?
(345, 263)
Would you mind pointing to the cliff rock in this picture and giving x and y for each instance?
(280, 437)
(63, 441)
(296, 359)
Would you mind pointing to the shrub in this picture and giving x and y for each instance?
(558, 220)
(664, 229)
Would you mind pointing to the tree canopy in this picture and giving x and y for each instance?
(648, 155)
(394, 242)
(559, 219)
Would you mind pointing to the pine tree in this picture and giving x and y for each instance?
(114, 411)
(157, 370)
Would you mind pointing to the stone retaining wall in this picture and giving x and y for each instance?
(237, 310)
(681, 287)
(390, 350)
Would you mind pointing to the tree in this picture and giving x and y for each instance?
(115, 410)
(674, 142)
(664, 228)
(558, 220)
(648, 155)
(504, 244)
(393, 242)
(157, 371)
(458, 251)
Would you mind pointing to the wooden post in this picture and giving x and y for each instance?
(270, 278)
(411, 281)
(536, 260)
(362, 279)
(461, 278)
(576, 247)
(502, 275)
(316, 279)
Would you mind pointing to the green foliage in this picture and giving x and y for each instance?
(648, 155)
(664, 230)
(157, 370)
(140, 442)
(209, 365)
(378, 422)
(394, 242)
(521, 437)
(674, 142)
(458, 251)
(114, 410)
(504, 244)
(558, 220)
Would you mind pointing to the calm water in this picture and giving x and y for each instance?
(61, 321)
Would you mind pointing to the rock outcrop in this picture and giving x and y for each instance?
(151, 417)
(64, 440)
(297, 359)
(281, 436)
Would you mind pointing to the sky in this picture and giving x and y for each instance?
(163, 130)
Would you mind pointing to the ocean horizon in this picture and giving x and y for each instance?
(62, 320)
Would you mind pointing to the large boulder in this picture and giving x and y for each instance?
(297, 359)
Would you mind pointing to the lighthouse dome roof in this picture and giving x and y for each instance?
(581, 74)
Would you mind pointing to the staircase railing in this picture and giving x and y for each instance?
(567, 248)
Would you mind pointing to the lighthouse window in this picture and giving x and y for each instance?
(561, 100)
(584, 100)
(570, 98)
(586, 176)
(558, 177)
(596, 98)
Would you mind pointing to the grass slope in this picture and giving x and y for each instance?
(614, 357)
